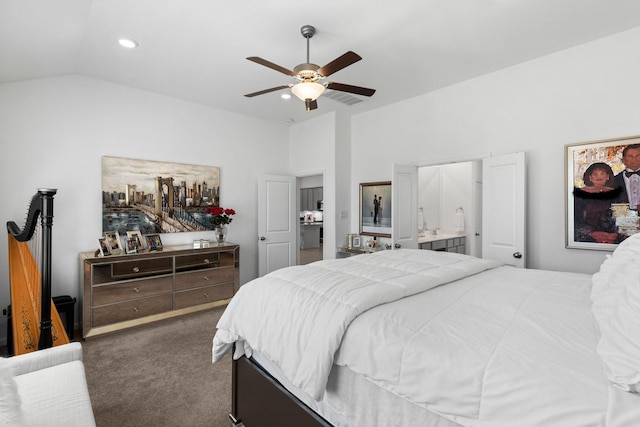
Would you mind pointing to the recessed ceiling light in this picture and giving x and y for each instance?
(285, 96)
(128, 43)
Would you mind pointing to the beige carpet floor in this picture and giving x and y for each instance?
(159, 375)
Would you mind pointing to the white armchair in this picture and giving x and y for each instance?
(45, 388)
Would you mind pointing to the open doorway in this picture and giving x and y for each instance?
(311, 209)
(444, 193)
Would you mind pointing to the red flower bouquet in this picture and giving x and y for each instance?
(220, 216)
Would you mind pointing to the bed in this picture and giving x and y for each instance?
(416, 337)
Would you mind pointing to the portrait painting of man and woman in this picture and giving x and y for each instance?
(603, 192)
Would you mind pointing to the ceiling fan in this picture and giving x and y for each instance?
(308, 75)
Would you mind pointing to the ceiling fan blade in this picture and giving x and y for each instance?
(273, 89)
(310, 105)
(271, 65)
(351, 89)
(339, 63)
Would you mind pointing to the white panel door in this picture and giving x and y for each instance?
(277, 225)
(404, 207)
(503, 211)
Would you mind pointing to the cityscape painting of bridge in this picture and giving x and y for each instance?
(157, 197)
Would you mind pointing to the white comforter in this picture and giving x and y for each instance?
(297, 316)
(508, 347)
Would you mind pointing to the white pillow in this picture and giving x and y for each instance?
(617, 270)
(619, 345)
(607, 284)
(629, 248)
(10, 414)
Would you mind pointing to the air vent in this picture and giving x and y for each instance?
(341, 97)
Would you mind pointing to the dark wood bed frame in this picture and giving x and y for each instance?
(259, 400)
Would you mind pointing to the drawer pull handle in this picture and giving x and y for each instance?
(136, 309)
(206, 295)
(136, 290)
(206, 278)
(207, 260)
(136, 269)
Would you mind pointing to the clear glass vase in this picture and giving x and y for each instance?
(221, 233)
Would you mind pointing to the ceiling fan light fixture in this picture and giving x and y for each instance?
(307, 90)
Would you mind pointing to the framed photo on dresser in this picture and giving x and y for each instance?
(153, 242)
(113, 239)
(137, 239)
(131, 245)
(103, 246)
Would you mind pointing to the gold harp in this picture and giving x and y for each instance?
(36, 323)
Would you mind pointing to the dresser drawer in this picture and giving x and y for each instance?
(203, 295)
(142, 267)
(198, 260)
(199, 278)
(120, 292)
(131, 310)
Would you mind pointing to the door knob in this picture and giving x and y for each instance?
(263, 238)
(517, 255)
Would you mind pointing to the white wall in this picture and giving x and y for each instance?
(457, 187)
(312, 181)
(429, 195)
(581, 94)
(54, 132)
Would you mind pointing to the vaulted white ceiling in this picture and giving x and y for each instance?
(196, 49)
